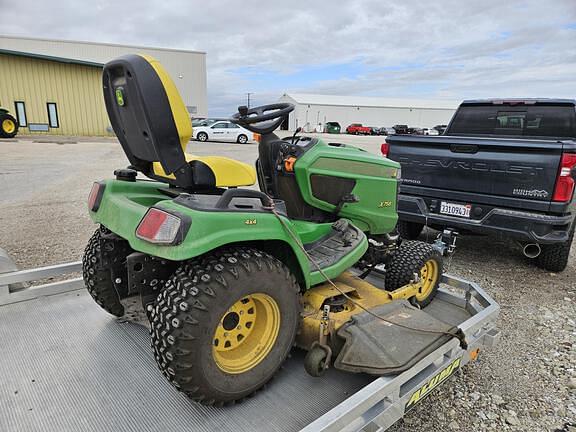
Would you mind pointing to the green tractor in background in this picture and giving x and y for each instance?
(230, 279)
(8, 124)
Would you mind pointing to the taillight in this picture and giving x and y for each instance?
(384, 148)
(160, 227)
(565, 181)
(95, 196)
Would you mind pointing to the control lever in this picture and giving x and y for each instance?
(296, 132)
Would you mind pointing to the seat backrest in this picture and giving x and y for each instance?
(148, 116)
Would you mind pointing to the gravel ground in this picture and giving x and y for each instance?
(526, 383)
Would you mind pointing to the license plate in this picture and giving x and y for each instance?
(461, 210)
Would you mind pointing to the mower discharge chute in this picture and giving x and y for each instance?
(229, 279)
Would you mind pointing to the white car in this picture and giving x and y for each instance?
(223, 131)
(430, 131)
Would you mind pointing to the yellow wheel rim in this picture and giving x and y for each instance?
(246, 333)
(428, 279)
(8, 126)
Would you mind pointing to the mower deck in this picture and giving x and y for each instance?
(68, 366)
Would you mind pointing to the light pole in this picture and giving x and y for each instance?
(248, 99)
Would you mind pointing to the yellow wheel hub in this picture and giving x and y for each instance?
(246, 333)
(428, 278)
(8, 126)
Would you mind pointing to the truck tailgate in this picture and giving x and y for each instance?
(518, 168)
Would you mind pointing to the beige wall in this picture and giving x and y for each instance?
(76, 90)
(187, 68)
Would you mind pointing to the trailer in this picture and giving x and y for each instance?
(66, 365)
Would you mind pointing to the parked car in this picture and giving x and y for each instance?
(332, 128)
(203, 122)
(358, 129)
(222, 131)
(440, 128)
(430, 131)
(506, 168)
(400, 129)
(374, 130)
(415, 131)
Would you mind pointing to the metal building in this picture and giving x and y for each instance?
(313, 111)
(54, 86)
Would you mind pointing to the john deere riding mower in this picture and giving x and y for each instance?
(230, 279)
(8, 124)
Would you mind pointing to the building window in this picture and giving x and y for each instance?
(21, 113)
(52, 115)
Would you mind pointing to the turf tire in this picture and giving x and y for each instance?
(189, 308)
(409, 259)
(98, 280)
(6, 134)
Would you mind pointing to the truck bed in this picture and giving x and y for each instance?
(67, 365)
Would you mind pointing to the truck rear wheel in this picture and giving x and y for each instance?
(98, 280)
(409, 230)
(224, 324)
(554, 257)
(420, 258)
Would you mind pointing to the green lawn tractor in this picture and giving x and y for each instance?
(229, 279)
(8, 124)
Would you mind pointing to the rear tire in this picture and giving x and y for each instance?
(409, 230)
(554, 257)
(242, 139)
(415, 257)
(8, 126)
(202, 136)
(202, 338)
(98, 280)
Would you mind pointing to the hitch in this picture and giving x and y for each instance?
(445, 243)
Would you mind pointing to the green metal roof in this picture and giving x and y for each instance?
(51, 58)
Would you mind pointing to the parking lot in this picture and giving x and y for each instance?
(526, 383)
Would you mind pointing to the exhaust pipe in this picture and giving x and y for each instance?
(531, 250)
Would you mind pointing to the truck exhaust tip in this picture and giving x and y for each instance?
(531, 250)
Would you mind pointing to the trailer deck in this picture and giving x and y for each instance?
(67, 365)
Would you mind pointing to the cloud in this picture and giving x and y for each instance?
(443, 49)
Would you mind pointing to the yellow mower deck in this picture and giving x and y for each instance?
(364, 295)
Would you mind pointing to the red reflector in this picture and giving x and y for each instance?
(95, 196)
(158, 226)
(565, 182)
(384, 148)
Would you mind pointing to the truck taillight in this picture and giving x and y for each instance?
(159, 227)
(565, 181)
(384, 148)
(95, 196)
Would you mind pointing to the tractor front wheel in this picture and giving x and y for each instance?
(224, 324)
(415, 260)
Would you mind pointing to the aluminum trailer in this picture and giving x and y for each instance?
(66, 365)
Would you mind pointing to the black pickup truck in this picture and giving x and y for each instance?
(504, 167)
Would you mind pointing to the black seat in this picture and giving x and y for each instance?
(154, 128)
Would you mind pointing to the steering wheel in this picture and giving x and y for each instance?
(271, 116)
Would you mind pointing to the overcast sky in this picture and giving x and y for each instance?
(443, 49)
